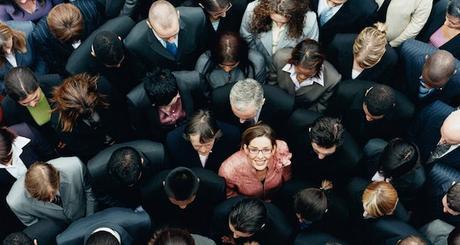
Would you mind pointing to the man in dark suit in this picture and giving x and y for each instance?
(121, 170)
(431, 74)
(342, 16)
(247, 102)
(169, 38)
(119, 224)
(183, 198)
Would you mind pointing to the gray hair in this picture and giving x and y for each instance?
(247, 92)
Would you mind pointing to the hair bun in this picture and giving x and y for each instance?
(381, 27)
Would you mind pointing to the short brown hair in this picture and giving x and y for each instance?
(369, 46)
(42, 179)
(19, 40)
(379, 199)
(66, 22)
(256, 131)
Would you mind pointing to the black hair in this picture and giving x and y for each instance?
(311, 203)
(453, 197)
(18, 238)
(20, 82)
(398, 158)
(108, 48)
(172, 236)
(181, 184)
(125, 166)
(327, 132)
(102, 238)
(249, 215)
(453, 8)
(203, 124)
(214, 5)
(454, 237)
(161, 87)
(380, 100)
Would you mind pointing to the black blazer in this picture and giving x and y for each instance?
(278, 105)
(340, 54)
(108, 193)
(352, 17)
(181, 152)
(231, 22)
(387, 228)
(316, 238)
(196, 217)
(143, 44)
(45, 231)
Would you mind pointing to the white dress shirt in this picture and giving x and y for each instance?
(323, 5)
(308, 82)
(11, 58)
(17, 168)
(163, 42)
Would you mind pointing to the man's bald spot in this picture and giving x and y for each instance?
(450, 129)
(162, 14)
(440, 66)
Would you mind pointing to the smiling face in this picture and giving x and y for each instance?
(260, 150)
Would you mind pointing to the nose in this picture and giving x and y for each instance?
(227, 69)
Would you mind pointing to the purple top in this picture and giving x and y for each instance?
(438, 39)
(7, 11)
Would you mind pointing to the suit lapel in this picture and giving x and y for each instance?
(19, 59)
(267, 39)
(182, 42)
(156, 46)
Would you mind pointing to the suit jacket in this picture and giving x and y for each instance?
(352, 17)
(56, 53)
(437, 231)
(340, 54)
(181, 152)
(278, 104)
(132, 226)
(316, 238)
(230, 23)
(75, 191)
(144, 117)
(385, 229)
(114, 8)
(108, 192)
(313, 97)
(45, 231)
(143, 44)
(196, 217)
(262, 42)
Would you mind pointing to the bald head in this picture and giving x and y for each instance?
(163, 15)
(450, 129)
(438, 68)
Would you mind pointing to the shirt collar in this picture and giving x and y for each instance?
(315, 79)
(17, 146)
(111, 231)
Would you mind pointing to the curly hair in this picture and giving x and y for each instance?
(295, 10)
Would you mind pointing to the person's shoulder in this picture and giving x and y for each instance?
(233, 164)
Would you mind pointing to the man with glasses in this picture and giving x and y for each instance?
(169, 38)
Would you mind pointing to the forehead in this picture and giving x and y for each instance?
(249, 110)
(260, 142)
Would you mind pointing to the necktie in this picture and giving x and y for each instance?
(424, 91)
(438, 152)
(172, 48)
(326, 15)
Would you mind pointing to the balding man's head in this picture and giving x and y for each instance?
(164, 20)
(438, 68)
(450, 129)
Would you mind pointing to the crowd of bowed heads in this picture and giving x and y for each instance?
(234, 122)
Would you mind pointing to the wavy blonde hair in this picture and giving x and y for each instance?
(19, 41)
(379, 199)
(369, 46)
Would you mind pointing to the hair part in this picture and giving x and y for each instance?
(379, 199)
(249, 215)
(41, 180)
(203, 124)
(20, 82)
(369, 46)
(308, 55)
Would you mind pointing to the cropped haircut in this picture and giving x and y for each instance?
(108, 48)
(311, 203)
(181, 184)
(453, 8)
(327, 132)
(172, 236)
(379, 199)
(18, 37)
(369, 46)
(246, 93)
(125, 166)
(398, 158)
(308, 55)
(258, 130)
(161, 87)
(6, 144)
(380, 100)
(249, 215)
(453, 197)
(203, 124)
(42, 179)
(439, 67)
(102, 238)
(18, 238)
(66, 22)
(20, 82)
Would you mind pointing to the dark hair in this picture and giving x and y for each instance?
(6, 142)
(327, 132)
(203, 124)
(125, 166)
(258, 130)
(307, 54)
(249, 215)
(453, 8)
(412, 240)
(454, 237)
(108, 48)
(20, 82)
(453, 197)
(181, 183)
(230, 47)
(172, 236)
(214, 5)
(161, 87)
(102, 238)
(311, 203)
(380, 100)
(17, 238)
(398, 158)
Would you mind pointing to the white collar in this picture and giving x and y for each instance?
(111, 231)
(316, 79)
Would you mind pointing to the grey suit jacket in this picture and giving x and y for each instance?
(437, 231)
(314, 97)
(76, 194)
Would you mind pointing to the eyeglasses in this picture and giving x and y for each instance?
(218, 14)
(255, 151)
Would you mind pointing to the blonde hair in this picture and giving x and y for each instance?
(42, 180)
(19, 40)
(379, 199)
(369, 46)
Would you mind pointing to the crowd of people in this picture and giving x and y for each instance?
(235, 122)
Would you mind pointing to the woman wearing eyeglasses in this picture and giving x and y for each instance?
(222, 15)
(260, 167)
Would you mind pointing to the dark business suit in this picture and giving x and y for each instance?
(340, 54)
(133, 227)
(388, 228)
(278, 105)
(352, 17)
(56, 53)
(182, 153)
(110, 193)
(230, 23)
(196, 217)
(45, 231)
(316, 238)
(413, 55)
(143, 44)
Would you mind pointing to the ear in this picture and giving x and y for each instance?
(92, 52)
